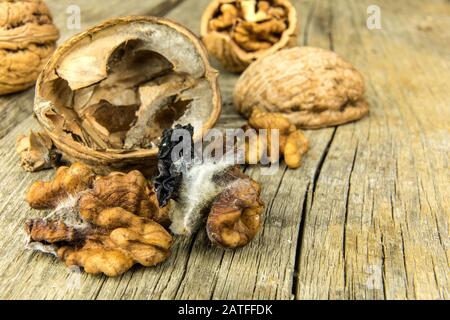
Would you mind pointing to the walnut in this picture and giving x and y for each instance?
(27, 39)
(239, 32)
(104, 224)
(129, 191)
(197, 188)
(36, 151)
(107, 94)
(295, 146)
(68, 181)
(112, 245)
(313, 87)
(235, 216)
(292, 142)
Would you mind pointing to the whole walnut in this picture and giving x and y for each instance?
(237, 32)
(313, 87)
(27, 39)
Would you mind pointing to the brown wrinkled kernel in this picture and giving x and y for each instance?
(68, 181)
(295, 147)
(292, 142)
(109, 241)
(235, 217)
(129, 191)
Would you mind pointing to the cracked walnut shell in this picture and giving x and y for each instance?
(107, 94)
(238, 32)
(27, 39)
(313, 87)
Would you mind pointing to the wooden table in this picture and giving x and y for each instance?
(366, 217)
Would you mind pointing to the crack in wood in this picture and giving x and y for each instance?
(344, 234)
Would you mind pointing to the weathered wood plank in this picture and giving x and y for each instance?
(15, 108)
(378, 223)
(371, 198)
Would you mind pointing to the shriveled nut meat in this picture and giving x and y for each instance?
(312, 87)
(239, 32)
(67, 182)
(36, 151)
(295, 147)
(27, 39)
(292, 143)
(130, 192)
(113, 244)
(235, 217)
(270, 120)
(107, 228)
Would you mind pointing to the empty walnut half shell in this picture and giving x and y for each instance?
(237, 32)
(27, 39)
(313, 87)
(108, 93)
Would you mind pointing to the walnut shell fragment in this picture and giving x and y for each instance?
(27, 39)
(235, 216)
(36, 151)
(313, 87)
(238, 32)
(107, 94)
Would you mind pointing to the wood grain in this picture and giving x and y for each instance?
(377, 226)
(366, 217)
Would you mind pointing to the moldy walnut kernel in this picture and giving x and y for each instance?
(104, 224)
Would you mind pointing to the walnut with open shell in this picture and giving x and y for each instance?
(237, 32)
(107, 94)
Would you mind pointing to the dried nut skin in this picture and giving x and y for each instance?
(313, 87)
(239, 32)
(235, 217)
(111, 246)
(27, 39)
(295, 147)
(68, 181)
(107, 94)
(36, 151)
(130, 192)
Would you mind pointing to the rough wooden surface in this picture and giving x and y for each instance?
(366, 217)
